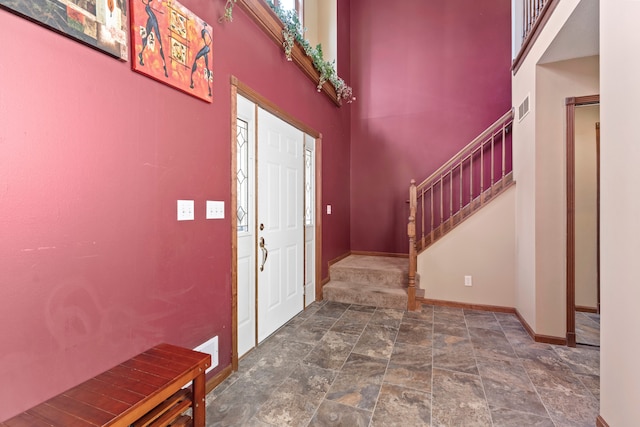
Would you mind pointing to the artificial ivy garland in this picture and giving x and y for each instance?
(293, 32)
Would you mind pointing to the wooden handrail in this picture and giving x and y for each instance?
(508, 116)
(432, 211)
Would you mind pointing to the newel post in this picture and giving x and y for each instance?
(413, 256)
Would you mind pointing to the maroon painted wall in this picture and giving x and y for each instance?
(94, 267)
(429, 76)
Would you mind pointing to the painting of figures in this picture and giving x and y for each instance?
(172, 45)
(101, 24)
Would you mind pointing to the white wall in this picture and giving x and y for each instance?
(554, 83)
(620, 210)
(482, 247)
(539, 170)
(586, 206)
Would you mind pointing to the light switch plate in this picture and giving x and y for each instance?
(215, 209)
(186, 210)
(328, 209)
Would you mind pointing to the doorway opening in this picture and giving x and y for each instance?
(583, 220)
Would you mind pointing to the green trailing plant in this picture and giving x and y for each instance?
(228, 11)
(292, 31)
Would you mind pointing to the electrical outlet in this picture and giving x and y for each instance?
(468, 281)
(328, 209)
(185, 210)
(210, 347)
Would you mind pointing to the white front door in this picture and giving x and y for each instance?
(280, 223)
(246, 258)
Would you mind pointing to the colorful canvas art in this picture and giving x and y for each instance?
(173, 46)
(101, 24)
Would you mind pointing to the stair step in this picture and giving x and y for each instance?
(372, 270)
(371, 295)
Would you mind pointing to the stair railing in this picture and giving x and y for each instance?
(473, 176)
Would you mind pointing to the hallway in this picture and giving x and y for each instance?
(347, 365)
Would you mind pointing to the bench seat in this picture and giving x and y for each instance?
(144, 391)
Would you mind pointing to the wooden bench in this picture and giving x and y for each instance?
(144, 391)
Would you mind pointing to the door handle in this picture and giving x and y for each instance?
(265, 253)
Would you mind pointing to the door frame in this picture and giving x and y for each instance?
(240, 88)
(571, 104)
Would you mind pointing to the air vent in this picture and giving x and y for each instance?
(523, 109)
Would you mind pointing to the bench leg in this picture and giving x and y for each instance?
(199, 412)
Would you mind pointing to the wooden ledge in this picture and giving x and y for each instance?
(265, 18)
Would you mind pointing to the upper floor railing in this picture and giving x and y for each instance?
(535, 14)
(532, 11)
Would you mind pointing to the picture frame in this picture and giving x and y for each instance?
(172, 45)
(100, 24)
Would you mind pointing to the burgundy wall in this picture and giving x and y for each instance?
(429, 76)
(94, 267)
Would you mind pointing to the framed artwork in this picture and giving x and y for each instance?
(172, 45)
(101, 24)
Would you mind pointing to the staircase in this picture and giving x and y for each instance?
(468, 181)
(377, 281)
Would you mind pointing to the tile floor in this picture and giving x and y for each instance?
(588, 328)
(347, 365)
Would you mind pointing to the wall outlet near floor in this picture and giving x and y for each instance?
(210, 347)
(468, 281)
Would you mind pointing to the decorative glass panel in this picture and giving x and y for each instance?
(243, 175)
(308, 187)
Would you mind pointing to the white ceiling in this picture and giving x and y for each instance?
(579, 37)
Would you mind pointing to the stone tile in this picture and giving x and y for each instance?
(359, 382)
(569, 409)
(595, 317)
(387, 316)
(448, 315)
(458, 400)
(592, 383)
(237, 405)
(580, 360)
(363, 308)
(510, 418)
(310, 381)
(588, 334)
(506, 385)
(352, 322)
(415, 333)
(401, 407)
(313, 329)
(423, 314)
(285, 408)
(455, 329)
(410, 366)
(454, 353)
(550, 373)
(515, 332)
(334, 414)
(481, 319)
(332, 350)
(332, 309)
(507, 319)
(376, 341)
(491, 343)
(531, 350)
